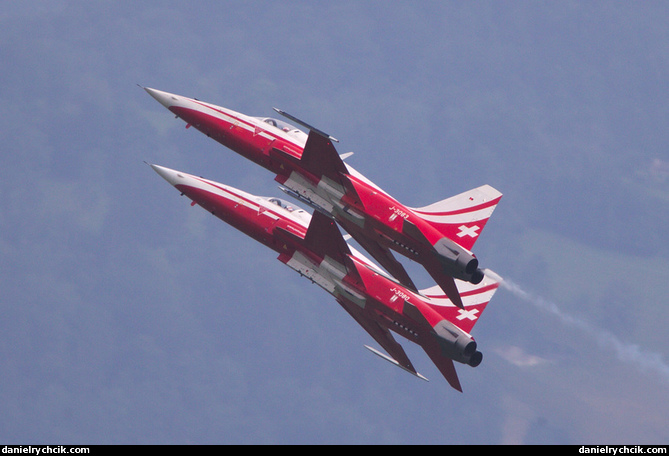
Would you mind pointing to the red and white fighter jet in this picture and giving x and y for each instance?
(314, 247)
(439, 236)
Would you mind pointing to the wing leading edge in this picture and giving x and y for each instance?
(324, 238)
(382, 336)
(321, 159)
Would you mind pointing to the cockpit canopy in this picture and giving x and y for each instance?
(295, 211)
(282, 203)
(283, 126)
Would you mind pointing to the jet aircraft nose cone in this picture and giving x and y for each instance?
(170, 175)
(164, 98)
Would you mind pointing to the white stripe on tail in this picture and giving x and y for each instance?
(475, 298)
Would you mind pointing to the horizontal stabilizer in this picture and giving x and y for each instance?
(392, 361)
(445, 366)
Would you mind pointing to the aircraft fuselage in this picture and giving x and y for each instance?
(364, 290)
(372, 217)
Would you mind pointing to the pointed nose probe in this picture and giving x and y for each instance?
(164, 98)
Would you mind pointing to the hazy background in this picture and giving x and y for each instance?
(130, 317)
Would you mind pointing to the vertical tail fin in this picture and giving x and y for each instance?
(475, 298)
(461, 218)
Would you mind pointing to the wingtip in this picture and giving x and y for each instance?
(396, 363)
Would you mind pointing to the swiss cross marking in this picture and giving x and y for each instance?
(468, 231)
(469, 314)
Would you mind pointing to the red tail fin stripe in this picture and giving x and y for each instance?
(465, 210)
